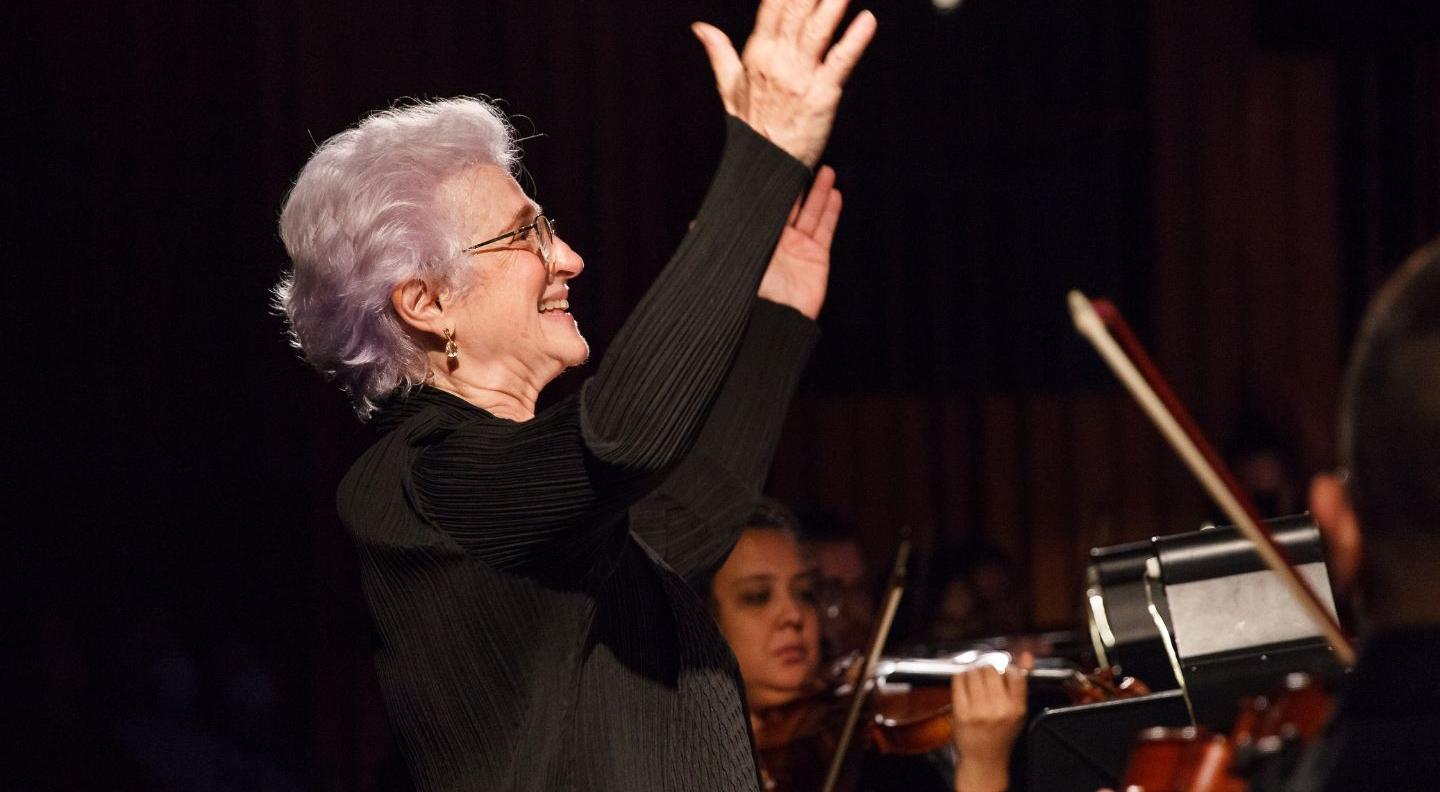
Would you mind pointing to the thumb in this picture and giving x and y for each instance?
(723, 59)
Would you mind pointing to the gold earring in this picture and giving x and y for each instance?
(452, 349)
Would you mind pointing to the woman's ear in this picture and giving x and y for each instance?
(1330, 505)
(418, 305)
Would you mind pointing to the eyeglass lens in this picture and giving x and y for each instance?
(545, 239)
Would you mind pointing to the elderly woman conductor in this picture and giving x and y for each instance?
(528, 639)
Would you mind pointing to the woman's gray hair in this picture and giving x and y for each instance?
(362, 218)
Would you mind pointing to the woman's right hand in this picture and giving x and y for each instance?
(786, 85)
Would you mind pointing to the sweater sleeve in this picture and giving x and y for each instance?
(695, 516)
(645, 404)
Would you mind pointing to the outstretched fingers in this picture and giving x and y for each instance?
(767, 18)
(809, 216)
(793, 18)
(779, 84)
(723, 60)
(829, 219)
(820, 27)
(841, 59)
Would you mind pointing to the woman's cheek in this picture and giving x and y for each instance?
(747, 642)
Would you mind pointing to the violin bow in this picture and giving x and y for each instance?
(1103, 326)
(861, 686)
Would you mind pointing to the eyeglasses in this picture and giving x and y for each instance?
(544, 229)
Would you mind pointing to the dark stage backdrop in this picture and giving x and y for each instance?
(1238, 175)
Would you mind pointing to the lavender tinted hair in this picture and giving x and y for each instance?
(361, 218)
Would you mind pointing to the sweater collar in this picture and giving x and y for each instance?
(405, 403)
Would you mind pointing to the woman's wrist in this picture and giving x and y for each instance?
(975, 776)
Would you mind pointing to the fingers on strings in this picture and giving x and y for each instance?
(985, 692)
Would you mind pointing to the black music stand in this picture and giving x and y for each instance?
(1085, 747)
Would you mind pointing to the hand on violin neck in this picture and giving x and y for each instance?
(988, 712)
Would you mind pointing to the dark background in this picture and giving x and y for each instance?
(1238, 175)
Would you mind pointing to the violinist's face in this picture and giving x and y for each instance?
(764, 600)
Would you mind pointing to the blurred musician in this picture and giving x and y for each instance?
(845, 591)
(1381, 518)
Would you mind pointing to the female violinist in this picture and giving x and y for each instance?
(763, 600)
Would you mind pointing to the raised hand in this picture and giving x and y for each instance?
(787, 83)
(988, 712)
(799, 270)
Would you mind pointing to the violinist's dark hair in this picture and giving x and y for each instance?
(772, 514)
(768, 515)
(1390, 414)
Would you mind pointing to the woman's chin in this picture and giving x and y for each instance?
(776, 696)
(568, 346)
(579, 354)
(790, 685)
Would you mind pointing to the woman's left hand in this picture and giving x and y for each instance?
(988, 713)
(786, 85)
(799, 270)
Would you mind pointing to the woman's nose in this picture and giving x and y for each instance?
(568, 263)
(792, 612)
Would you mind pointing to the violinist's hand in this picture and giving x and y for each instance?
(799, 270)
(786, 85)
(989, 711)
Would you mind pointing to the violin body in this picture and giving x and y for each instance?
(1181, 760)
(796, 741)
(913, 722)
(1262, 749)
(801, 765)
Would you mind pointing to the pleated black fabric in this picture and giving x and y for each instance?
(529, 638)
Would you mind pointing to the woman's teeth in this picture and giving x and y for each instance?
(554, 305)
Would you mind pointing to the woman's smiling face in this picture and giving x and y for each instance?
(513, 314)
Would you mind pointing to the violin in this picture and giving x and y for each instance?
(1262, 749)
(907, 712)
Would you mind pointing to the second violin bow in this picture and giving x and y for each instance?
(1183, 435)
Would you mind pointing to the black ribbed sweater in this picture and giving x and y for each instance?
(529, 637)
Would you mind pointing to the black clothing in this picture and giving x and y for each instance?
(930, 772)
(529, 639)
(1385, 733)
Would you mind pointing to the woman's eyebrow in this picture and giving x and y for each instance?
(523, 215)
(760, 576)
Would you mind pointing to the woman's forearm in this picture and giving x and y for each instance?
(644, 406)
